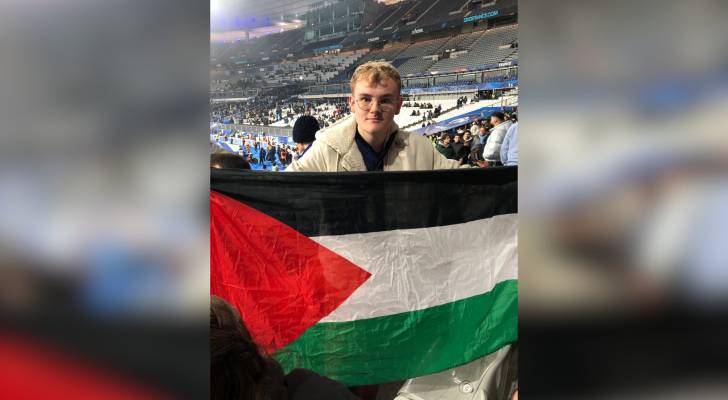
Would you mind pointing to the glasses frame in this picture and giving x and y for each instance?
(385, 108)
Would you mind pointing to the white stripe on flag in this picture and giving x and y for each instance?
(414, 269)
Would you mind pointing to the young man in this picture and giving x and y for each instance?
(491, 150)
(370, 140)
(459, 147)
(445, 148)
(477, 145)
(467, 139)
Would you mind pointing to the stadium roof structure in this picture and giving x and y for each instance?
(232, 20)
(232, 15)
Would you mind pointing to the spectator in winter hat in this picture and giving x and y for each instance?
(304, 133)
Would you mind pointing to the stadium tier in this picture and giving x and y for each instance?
(444, 50)
(489, 47)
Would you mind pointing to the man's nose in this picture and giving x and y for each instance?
(373, 108)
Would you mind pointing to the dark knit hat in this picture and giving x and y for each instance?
(305, 128)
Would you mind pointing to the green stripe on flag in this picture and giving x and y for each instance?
(410, 344)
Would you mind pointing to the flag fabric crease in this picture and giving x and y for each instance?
(369, 277)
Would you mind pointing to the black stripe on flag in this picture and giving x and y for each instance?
(339, 203)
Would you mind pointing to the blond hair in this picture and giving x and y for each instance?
(376, 71)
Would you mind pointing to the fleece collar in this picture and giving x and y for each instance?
(340, 138)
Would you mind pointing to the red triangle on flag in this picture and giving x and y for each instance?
(281, 281)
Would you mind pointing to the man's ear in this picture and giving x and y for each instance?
(399, 105)
(352, 103)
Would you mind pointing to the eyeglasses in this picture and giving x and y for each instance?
(386, 104)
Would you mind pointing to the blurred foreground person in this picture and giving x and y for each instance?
(240, 371)
(228, 161)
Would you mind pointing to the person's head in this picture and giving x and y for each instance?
(375, 97)
(467, 136)
(445, 139)
(497, 118)
(304, 131)
(482, 131)
(228, 161)
(237, 369)
(458, 139)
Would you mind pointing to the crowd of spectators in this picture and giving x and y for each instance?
(328, 114)
(304, 70)
(262, 110)
(477, 144)
(429, 117)
(430, 113)
(468, 144)
(221, 86)
(257, 111)
(465, 100)
(260, 151)
(271, 109)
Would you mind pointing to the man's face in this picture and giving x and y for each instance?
(457, 139)
(467, 136)
(446, 139)
(383, 102)
(482, 131)
(300, 147)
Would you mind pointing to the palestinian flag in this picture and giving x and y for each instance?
(369, 277)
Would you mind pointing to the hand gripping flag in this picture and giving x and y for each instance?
(369, 277)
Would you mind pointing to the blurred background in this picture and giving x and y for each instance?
(624, 199)
(103, 199)
(103, 194)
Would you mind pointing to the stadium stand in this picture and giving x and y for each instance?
(415, 63)
(388, 54)
(394, 19)
(318, 69)
(412, 14)
(257, 49)
(388, 16)
(489, 47)
(405, 117)
(448, 68)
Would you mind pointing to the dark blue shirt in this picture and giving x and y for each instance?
(373, 160)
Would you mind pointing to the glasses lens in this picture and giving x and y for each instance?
(385, 104)
(365, 103)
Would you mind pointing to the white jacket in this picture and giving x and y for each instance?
(335, 150)
(491, 150)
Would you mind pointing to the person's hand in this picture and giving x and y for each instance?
(482, 164)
